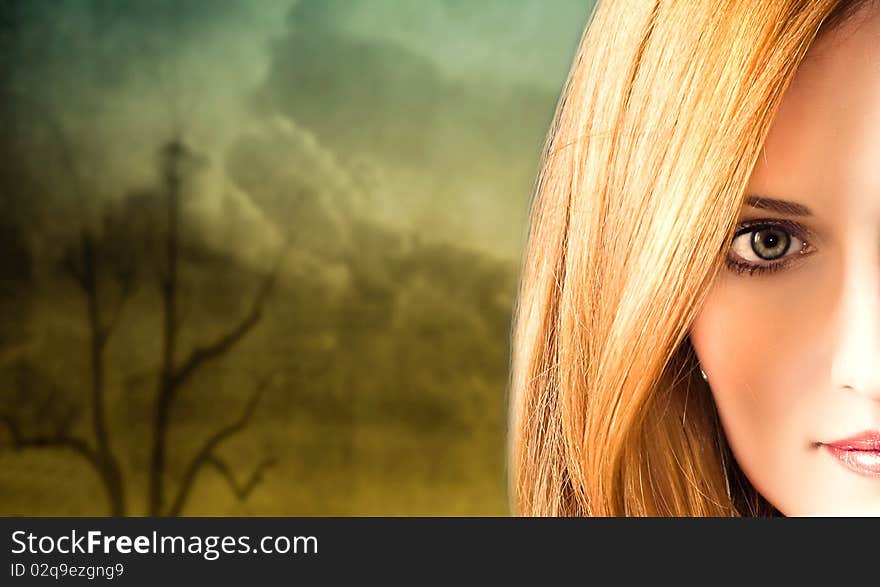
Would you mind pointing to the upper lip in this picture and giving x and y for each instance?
(868, 440)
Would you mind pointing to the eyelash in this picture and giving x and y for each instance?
(792, 229)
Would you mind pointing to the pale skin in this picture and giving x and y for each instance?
(793, 356)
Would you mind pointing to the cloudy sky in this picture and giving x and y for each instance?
(426, 115)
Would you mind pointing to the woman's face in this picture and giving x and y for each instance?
(789, 336)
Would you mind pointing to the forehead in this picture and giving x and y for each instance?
(824, 142)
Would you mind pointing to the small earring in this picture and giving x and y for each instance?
(703, 374)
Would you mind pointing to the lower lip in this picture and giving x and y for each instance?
(863, 462)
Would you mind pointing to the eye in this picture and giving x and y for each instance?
(766, 246)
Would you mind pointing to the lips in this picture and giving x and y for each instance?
(860, 454)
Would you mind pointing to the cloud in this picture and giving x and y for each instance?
(458, 155)
(530, 41)
(296, 183)
(119, 78)
(96, 87)
(430, 114)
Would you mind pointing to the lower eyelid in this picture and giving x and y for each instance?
(751, 269)
(740, 266)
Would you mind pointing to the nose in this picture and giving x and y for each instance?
(856, 360)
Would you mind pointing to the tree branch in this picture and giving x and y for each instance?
(218, 348)
(243, 490)
(206, 456)
(223, 344)
(59, 440)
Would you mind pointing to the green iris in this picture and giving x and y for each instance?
(770, 243)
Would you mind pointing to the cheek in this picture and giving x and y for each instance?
(752, 337)
(740, 358)
(748, 344)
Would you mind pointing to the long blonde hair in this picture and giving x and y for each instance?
(643, 173)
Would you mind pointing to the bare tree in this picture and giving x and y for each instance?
(174, 375)
(88, 259)
(84, 262)
(109, 255)
(50, 428)
(85, 271)
(96, 262)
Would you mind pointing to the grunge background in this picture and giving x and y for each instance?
(259, 258)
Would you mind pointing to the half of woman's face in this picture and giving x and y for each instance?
(789, 335)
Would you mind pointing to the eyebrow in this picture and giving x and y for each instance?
(781, 206)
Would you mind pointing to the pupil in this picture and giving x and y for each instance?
(770, 243)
